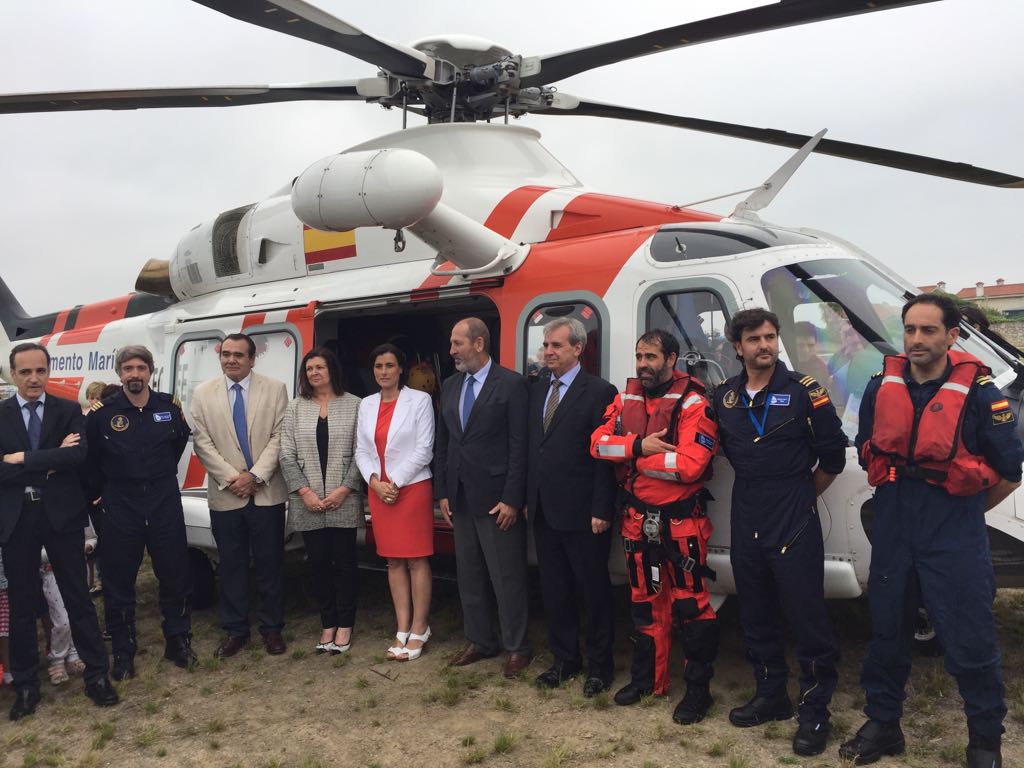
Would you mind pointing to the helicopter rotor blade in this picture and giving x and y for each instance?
(155, 98)
(786, 13)
(305, 21)
(564, 104)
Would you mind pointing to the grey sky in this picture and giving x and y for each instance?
(88, 197)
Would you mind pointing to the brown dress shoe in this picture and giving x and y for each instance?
(469, 655)
(516, 663)
(230, 646)
(274, 643)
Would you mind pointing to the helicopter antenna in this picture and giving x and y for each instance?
(763, 195)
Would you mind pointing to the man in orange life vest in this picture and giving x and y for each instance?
(939, 442)
(661, 434)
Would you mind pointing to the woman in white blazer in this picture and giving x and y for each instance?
(394, 447)
(318, 440)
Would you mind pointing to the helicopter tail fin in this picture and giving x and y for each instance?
(12, 314)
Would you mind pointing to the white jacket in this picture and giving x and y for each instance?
(410, 444)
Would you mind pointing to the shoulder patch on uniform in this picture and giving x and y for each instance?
(1003, 417)
(96, 405)
(1000, 405)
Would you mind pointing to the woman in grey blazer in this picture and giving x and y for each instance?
(318, 440)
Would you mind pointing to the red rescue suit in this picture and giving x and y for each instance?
(929, 444)
(668, 574)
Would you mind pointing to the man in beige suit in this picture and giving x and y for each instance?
(236, 422)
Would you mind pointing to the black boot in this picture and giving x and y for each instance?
(124, 666)
(874, 739)
(123, 646)
(984, 758)
(811, 738)
(179, 650)
(762, 709)
(695, 704)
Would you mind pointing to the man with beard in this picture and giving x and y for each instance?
(661, 435)
(136, 438)
(938, 441)
(480, 456)
(783, 438)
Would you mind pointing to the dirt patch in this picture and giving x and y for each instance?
(304, 710)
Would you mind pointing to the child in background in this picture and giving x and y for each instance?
(61, 653)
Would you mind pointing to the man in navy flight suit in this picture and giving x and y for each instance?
(940, 443)
(135, 440)
(782, 436)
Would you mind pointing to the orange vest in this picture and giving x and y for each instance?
(926, 444)
(642, 416)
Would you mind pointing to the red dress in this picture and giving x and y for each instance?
(405, 528)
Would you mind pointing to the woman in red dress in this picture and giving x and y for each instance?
(394, 447)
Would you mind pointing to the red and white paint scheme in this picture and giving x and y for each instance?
(491, 224)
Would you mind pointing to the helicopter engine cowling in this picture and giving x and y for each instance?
(390, 188)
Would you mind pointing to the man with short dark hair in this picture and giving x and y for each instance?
(783, 438)
(571, 499)
(42, 504)
(939, 444)
(480, 481)
(237, 433)
(660, 435)
(135, 440)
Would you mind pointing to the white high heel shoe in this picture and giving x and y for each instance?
(411, 654)
(395, 651)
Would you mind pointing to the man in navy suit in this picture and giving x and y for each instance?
(571, 499)
(42, 505)
(480, 480)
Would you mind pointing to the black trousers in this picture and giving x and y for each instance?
(237, 532)
(574, 572)
(21, 564)
(331, 557)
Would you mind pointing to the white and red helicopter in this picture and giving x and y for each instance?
(398, 237)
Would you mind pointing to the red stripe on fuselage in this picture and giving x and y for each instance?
(195, 475)
(594, 214)
(331, 254)
(93, 318)
(58, 325)
(257, 318)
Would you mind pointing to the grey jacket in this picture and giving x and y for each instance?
(300, 462)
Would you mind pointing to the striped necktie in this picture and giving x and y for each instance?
(553, 400)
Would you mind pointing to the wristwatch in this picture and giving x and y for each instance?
(256, 478)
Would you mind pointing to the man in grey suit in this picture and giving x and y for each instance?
(480, 457)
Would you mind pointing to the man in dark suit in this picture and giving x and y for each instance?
(480, 479)
(571, 498)
(42, 504)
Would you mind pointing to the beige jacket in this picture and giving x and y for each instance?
(300, 462)
(216, 444)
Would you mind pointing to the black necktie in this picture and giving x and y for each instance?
(35, 424)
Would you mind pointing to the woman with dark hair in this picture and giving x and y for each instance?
(393, 449)
(318, 440)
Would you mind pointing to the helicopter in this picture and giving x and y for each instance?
(468, 213)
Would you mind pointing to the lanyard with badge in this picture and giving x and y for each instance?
(758, 425)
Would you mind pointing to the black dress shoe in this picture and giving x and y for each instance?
(124, 667)
(984, 758)
(230, 646)
(594, 685)
(694, 705)
(102, 692)
(630, 694)
(811, 738)
(26, 699)
(762, 709)
(556, 675)
(179, 650)
(874, 739)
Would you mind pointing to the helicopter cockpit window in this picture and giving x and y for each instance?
(839, 318)
(698, 320)
(590, 361)
(683, 242)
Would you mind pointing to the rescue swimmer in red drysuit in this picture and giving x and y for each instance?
(662, 435)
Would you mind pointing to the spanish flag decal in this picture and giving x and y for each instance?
(322, 247)
(1000, 405)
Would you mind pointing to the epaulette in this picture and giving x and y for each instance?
(983, 380)
(96, 405)
(876, 375)
(809, 381)
(176, 401)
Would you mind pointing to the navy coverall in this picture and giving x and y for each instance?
(778, 557)
(923, 535)
(133, 465)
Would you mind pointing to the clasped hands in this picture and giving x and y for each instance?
(505, 515)
(333, 500)
(388, 491)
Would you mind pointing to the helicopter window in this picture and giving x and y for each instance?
(195, 361)
(225, 242)
(277, 356)
(683, 242)
(590, 360)
(839, 318)
(698, 320)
